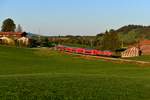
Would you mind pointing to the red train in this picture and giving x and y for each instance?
(84, 51)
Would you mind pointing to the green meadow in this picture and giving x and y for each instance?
(141, 58)
(43, 74)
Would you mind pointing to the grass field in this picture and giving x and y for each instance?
(41, 74)
(141, 58)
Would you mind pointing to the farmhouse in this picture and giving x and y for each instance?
(14, 35)
(145, 47)
(12, 38)
(6, 40)
(9, 37)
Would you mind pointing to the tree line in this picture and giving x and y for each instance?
(104, 41)
(112, 39)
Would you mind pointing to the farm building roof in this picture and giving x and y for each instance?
(8, 34)
(145, 42)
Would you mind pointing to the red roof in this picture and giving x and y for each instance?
(10, 33)
(145, 42)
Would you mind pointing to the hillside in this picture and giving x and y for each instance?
(42, 74)
(133, 33)
(127, 35)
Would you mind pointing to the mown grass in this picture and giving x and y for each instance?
(42, 74)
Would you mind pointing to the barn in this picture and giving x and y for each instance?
(130, 52)
(145, 47)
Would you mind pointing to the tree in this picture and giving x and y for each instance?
(19, 28)
(99, 39)
(8, 25)
(111, 41)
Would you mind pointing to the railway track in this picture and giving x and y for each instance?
(104, 55)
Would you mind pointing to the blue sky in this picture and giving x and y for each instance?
(76, 17)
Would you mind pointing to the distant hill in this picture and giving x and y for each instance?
(133, 33)
(142, 31)
(126, 29)
(130, 34)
